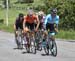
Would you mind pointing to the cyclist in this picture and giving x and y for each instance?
(31, 21)
(18, 25)
(51, 22)
(41, 17)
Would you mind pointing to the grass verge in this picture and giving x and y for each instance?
(70, 34)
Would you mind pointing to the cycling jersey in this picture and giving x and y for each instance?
(30, 22)
(41, 19)
(29, 19)
(49, 22)
(19, 23)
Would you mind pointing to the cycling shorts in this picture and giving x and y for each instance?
(30, 26)
(51, 28)
(19, 26)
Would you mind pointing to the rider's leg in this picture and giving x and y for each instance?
(16, 39)
(53, 38)
(15, 33)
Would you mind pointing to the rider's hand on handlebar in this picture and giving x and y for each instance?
(26, 29)
(56, 30)
(35, 30)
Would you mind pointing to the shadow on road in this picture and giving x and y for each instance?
(18, 48)
(46, 54)
(27, 52)
(24, 52)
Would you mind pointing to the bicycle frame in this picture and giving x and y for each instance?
(30, 38)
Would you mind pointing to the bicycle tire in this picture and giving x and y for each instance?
(54, 49)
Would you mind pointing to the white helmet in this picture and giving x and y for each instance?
(30, 11)
(40, 13)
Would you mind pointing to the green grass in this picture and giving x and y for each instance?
(5, 28)
(66, 34)
(13, 13)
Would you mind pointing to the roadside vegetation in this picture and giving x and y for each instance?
(66, 11)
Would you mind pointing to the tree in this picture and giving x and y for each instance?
(5, 3)
(66, 11)
(25, 1)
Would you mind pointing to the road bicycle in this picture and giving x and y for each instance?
(19, 39)
(49, 44)
(30, 44)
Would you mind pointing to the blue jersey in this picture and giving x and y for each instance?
(51, 20)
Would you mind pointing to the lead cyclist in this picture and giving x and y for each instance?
(51, 23)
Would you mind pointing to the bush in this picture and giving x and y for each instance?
(66, 11)
(25, 1)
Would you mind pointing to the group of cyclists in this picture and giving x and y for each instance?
(38, 21)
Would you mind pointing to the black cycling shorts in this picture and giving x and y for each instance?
(50, 27)
(41, 26)
(19, 26)
(30, 26)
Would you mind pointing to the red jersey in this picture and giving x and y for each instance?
(31, 19)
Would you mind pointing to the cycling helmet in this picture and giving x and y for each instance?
(40, 13)
(30, 11)
(54, 10)
(21, 15)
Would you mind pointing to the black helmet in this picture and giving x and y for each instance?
(54, 10)
(21, 15)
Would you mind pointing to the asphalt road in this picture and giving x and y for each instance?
(66, 51)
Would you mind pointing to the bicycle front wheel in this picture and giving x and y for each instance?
(33, 47)
(54, 49)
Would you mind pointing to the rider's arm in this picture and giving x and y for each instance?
(15, 24)
(56, 28)
(14, 27)
(38, 22)
(46, 19)
(24, 22)
(56, 22)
